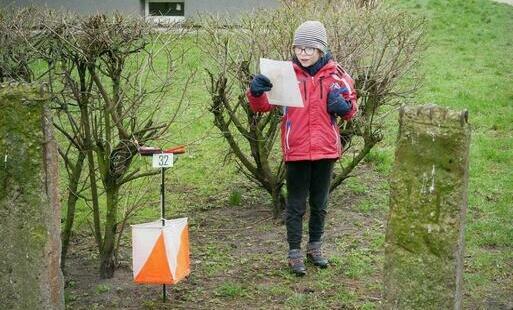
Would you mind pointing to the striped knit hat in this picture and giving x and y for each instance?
(311, 34)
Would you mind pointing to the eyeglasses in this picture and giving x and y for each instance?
(307, 50)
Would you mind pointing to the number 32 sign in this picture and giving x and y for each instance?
(163, 160)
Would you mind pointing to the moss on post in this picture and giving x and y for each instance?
(428, 200)
(30, 276)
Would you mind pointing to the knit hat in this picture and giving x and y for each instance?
(311, 34)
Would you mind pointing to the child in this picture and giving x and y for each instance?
(310, 136)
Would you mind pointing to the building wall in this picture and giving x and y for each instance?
(84, 6)
(228, 7)
(192, 7)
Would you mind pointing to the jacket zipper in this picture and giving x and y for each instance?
(287, 135)
(320, 82)
(304, 89)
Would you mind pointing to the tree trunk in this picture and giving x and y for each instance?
(107, 264)
(94, 197)
(88, 147)
(72, 201)
(278, 199)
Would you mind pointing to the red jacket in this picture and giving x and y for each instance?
(310, 132)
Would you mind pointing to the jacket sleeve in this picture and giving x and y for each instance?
(260, 103)
(344, 80)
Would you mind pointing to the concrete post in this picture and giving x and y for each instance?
(428, 199)
(30, 275)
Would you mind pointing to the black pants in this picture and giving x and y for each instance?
(307, 179)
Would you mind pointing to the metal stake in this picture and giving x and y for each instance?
(163, 217)
(162, 196)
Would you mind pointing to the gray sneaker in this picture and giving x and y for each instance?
(314, 255)
(296, 262)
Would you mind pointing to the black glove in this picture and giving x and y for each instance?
(259, 85)
(336, 103)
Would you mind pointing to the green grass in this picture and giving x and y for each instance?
(468, 66)
(216, 258)
(235, 198)
(381, 157)
(102, 288)
(357, 186)
(231, 290)
(345, 296)
(366, 206)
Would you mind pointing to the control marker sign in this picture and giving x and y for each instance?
(162, 160)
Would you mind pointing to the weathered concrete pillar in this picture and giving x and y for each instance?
(30, 276)
(428, 200)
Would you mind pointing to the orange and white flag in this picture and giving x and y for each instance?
(160, 254)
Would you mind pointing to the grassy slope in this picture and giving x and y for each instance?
(469, 66)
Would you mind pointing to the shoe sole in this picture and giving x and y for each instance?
(316, 265)
(299, 274)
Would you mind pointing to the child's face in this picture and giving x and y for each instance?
(307, 56)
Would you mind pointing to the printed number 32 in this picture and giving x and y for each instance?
(162, 160)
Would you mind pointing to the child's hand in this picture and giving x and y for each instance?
(336, 102)
(259, 85)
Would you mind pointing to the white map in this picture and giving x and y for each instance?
(285, 91)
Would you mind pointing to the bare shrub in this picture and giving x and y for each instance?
(110, 97)
(19, 43)
(377, 45)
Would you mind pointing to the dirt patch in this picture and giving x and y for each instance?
(228, 245)
(238, 261)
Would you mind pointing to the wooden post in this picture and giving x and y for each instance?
(30, 247)
(428, 201)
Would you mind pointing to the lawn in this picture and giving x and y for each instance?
(238, 252)
(466, 67)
